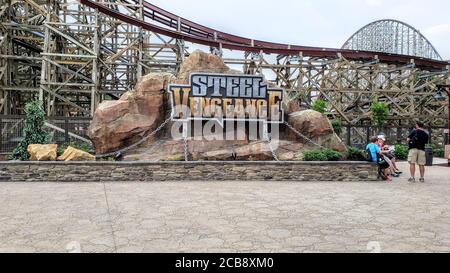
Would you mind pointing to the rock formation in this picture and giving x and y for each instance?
(316, 127)
(39, 152)
(222, 150)
(72, 154)
(117, 124)
(199, 61)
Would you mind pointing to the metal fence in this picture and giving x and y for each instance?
(359, 136)
(11, 127)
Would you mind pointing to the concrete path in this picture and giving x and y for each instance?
(227, 216)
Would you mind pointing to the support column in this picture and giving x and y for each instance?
(44, 66)
(95, 69)
(4, 50)
(140, 68)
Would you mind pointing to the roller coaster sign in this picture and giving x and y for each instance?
(223, 97)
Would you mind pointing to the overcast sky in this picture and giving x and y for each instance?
(324, 23)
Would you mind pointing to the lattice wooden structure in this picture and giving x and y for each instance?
(72, 57)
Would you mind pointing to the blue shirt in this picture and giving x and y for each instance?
(374, 151)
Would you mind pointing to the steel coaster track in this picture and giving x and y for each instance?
(183, 29)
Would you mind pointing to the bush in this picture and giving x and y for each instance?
(401, 152)
(33, 132)
(315, 156)
(332, 155)
(438, 150)
(323, 155)
(355, 154)
(337, 126)
(380, 113)
(319, 106)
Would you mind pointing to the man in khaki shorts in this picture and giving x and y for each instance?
(417, 140)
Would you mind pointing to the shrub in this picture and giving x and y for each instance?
(438, 150)
(322, 155)
(33, 132)
(315, 156)
(401, 152)
(355, 154)
(380, 113)
(319, 106)
(332, 155)
(337, 126)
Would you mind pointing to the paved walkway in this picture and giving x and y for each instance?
(227, 216)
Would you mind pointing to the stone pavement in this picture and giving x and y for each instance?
(227, 216)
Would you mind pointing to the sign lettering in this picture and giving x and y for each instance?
(226, 97)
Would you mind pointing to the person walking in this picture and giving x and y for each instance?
(417, 141)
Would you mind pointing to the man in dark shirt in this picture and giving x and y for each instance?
(417, 140)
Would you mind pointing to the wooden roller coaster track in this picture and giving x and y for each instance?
(189, 31)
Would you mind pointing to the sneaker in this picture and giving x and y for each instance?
(399, 173)
(395, 175)
(412, 180)
(422, 180)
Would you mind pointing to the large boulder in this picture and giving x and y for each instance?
(259, 151)
(72, 154)
(200, 61)
(39, 152)
(316, 127)
(117, 124)
(291, 106)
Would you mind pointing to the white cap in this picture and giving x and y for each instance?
(382, 137)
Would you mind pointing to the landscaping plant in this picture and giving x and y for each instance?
(438, 150)
(319, 106)
(33, 132)
(337, 126)
(355, 154)
(323, 155)
(380, 113)
(401, 152)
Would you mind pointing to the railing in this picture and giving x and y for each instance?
(69, 129)
(75, 129)
(394, 135)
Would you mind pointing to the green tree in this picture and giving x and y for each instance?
(380, 113)
(319, 106)
(33, 131)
